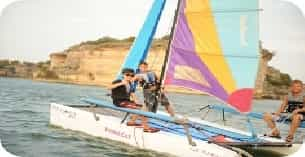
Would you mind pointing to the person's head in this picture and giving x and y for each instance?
(128, 74)
(296, 86)
(143, 66)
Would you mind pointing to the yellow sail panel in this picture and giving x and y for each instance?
(207, 44)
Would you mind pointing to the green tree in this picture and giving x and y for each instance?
(165, 37)
(129, 39)
(15, 62)
(4, 63)
(286, 79)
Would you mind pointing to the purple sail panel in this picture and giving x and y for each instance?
(185, 68)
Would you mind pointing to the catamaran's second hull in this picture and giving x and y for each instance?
(110, 127)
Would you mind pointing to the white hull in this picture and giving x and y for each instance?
(4, 153)
(110, 127)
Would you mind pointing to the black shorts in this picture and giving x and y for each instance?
(152, 98)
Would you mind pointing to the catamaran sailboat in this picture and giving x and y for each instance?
(213, 49)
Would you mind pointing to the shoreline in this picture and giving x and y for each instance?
(68, 82)
(170, 89)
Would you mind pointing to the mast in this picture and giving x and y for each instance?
(170, 42)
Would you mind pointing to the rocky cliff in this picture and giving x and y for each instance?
(97, 63)
(275, 85)
(17, 69)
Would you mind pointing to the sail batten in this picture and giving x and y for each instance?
(215, 50)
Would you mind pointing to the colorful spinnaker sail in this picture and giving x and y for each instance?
(215, 49)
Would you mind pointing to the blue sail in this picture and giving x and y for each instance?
(140, 47)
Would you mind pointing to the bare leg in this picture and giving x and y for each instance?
(170, 110)
(296, 120)
(271, 124)
(133, 118)
(144, 122)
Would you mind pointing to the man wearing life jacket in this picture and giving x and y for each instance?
(292, 108)
(123, 95)
(152, 91)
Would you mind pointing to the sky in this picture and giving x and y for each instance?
(32, 29)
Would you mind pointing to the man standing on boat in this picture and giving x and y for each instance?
(123, 95)
(292, 108)
(152, 91)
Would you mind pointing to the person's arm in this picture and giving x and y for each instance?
(133, 97)
(157, 78)
(283, 106)
(116, 84)
(136, 77)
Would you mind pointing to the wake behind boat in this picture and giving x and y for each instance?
(213, 49)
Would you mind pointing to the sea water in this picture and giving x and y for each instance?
(25, 129)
